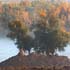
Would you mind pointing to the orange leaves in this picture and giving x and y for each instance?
(57, 10)
(68, 10)
(26, 3)
(68, 33)
(63, 29)
(64, 5)
(23, 15)
(43, 13)
(10, 5)
(26, 16)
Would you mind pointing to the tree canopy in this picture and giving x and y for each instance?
(19, 33)
(49, 22)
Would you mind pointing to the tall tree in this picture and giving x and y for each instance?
(18, 32)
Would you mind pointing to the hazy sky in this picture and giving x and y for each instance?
(7, 49)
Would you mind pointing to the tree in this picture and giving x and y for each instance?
(49, 36)
(18, 32)
(49, 21)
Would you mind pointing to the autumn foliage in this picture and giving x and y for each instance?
(48, 22)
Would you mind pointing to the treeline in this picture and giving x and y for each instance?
(28, 10)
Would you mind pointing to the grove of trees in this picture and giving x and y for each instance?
(48, 21)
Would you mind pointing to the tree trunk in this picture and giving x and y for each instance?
(21, 52)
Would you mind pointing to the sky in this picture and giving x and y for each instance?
(7, 49)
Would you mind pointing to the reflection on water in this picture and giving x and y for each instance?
(8, 49)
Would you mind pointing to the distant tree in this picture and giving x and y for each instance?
(18, 32)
